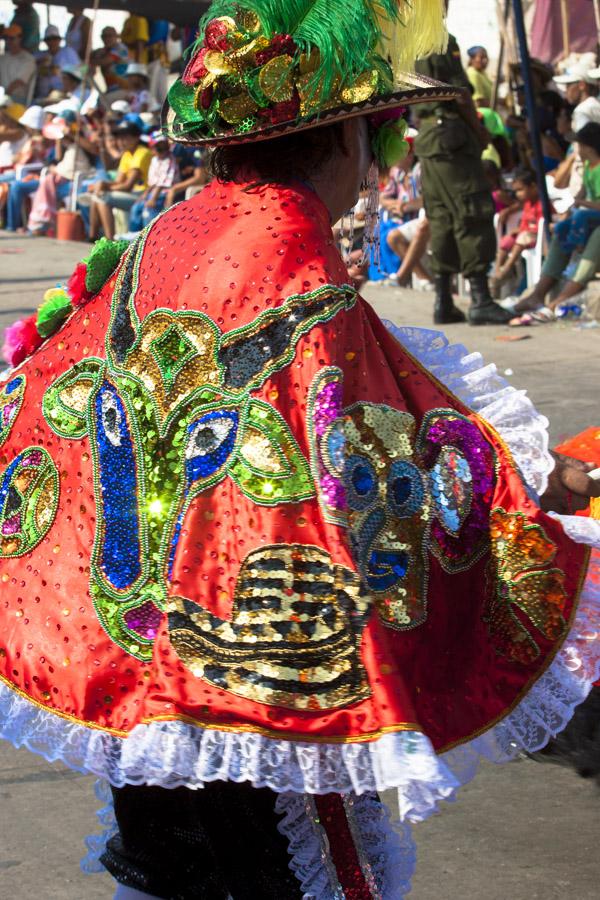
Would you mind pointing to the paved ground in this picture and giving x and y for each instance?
(524, 831)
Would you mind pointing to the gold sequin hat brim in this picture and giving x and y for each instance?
(414, 89)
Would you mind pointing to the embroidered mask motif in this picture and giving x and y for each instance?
(400, 493)
(11, 400)
(168, 415)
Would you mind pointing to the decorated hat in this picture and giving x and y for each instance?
(265, 68)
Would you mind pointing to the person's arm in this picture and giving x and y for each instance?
(196, 180)
(562, 175)
(126, 181)
(9, 129)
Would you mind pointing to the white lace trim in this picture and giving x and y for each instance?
(482, 389)
(387, 854)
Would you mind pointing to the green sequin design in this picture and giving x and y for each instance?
(169, 371)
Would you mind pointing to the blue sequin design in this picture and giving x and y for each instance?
(121, 548)
(13, 385)
(405, 491)
(387, 568)
(210, 443)
(7, 480)
(360, 481)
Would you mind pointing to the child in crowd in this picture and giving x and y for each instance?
(161, 177)
(140, 98)
(525, 236)
(584, 216)
(503, 199)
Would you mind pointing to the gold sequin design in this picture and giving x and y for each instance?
(527, 590)
(293, 639)
(389, 541)
(174, 356)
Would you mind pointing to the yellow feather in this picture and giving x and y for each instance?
(419, 29)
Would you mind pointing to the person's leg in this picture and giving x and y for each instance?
(417, 249)
(178, 843)
(18, 191)
(399, 245)
(583, 222)
(585, 272)
(445, 261)
(136, 216)
(510, 262)
(106, 218)
(556, 262)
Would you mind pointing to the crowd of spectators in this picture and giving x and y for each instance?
(568, 109)
(79, 126)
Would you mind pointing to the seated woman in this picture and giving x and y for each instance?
(579, 232)
(405, 235)
(73, 157)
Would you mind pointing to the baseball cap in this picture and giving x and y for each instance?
(135, 68)
(121, 106)
(579, 71)
(51, 32)
(157, 137)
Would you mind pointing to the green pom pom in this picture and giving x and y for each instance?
(55, 309)
(102, 262)
(389, 145)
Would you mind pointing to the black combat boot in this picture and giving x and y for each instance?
(444, 311)
(483, 310)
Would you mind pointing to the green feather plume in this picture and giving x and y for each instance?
(345, 32)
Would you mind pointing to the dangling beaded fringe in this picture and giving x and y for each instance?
(347, 235)
(371, 248)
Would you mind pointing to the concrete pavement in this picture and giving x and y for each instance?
(525, 831)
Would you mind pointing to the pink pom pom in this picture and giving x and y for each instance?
(76, 288)
(20, 340)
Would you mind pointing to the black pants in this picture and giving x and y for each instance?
(201, 845)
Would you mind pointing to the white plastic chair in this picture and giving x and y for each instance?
(534, 258)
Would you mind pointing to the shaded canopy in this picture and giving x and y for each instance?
(547, 35)
(180, 12)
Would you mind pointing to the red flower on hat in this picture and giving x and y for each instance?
(195, 70)
(216, 36)
(282, 44)
(282, 112)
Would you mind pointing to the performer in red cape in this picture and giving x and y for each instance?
(261, 555)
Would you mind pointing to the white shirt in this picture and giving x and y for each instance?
(17, 67)
(587, 111)
(9, 150)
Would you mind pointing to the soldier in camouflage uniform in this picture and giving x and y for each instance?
(457, 197)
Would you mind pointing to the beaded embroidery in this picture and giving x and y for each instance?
(524, 582)
(29, 492)
(293, 637)
(11, 400)
(168, 415)
(394, 491)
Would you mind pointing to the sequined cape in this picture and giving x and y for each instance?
(232, 503)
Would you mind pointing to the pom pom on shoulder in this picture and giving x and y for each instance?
(55, 309)
(21, 339)
(76, 286)
(25, 336)
(102, 262)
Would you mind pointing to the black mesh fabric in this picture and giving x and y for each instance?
(208, 844)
